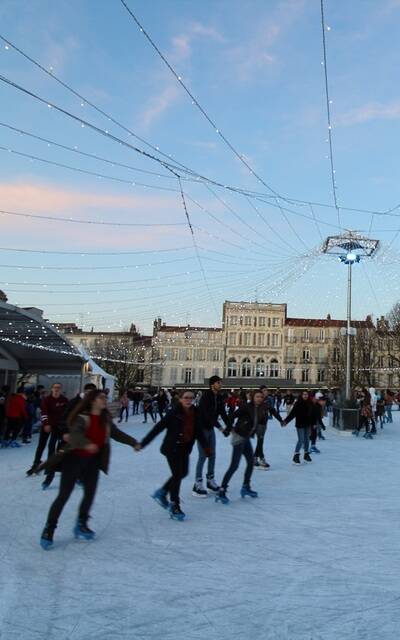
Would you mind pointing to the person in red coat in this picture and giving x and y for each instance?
(52, 409)
(16, 414)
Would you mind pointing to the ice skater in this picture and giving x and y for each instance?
(303, 411)
(243, 425)
(52, 410)
(211, 408)
(269, 412)
(85, 455)
(182, 426)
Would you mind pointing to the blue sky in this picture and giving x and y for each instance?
(256, 68)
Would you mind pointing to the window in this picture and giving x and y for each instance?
(291, 337)
(380, 361)
(261, 321)
(174, 354)
(233, 320)
(247, 321)
(261, 339)
(199, 354)
(188, 376)
(173, 375)
(216, 371)
(247, 339)
(275, 340)
(290, 357)
(306, 334)
(254, 339)
(289, 374)
(336, 354)
(260, 368)
(183, 354)
(246, 368)
(232, 339)
(213, 355)
(306, 355)
(322, 334)
(273, 369)
(321, 375)
(202, 374)
(305, 375)
(240, 339)
(232, 368)
(276, 322)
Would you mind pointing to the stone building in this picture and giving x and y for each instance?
(125, 354)
(187, 355)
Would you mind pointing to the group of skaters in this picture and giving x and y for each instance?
(375, 408)
(77, 434)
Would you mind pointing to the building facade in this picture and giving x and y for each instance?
(187, 355)
(256, 344)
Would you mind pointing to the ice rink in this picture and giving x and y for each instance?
(315, 557)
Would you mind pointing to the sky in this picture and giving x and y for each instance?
(256, 68)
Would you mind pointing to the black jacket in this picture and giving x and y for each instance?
(211, 407)
(173, 423)
(304, 413)
(245, 425)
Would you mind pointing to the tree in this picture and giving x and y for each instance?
(124, 358)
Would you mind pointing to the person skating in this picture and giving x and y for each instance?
(269, 412)
(162, 402)
(53, 407)
(244, 424)
(123, 407)
(211, 408)
(303, 412)
(318, 412)
(16, 414)
(148, 407)
(83, 457)
(182, 427)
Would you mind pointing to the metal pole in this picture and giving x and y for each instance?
(348, 349)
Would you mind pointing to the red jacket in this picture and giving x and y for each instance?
(16, 406)
(53, 410)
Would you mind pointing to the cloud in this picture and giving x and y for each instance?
(159, 104)
(370, 111)
(253, 56)
(179, 56)
(44, 199)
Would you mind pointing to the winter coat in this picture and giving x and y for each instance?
(78, 440)
(52, 410)
(173, 423)
(304, 413)
(211, 407)
(242, 422)
(16, 406)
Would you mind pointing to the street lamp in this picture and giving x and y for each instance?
(349, 247)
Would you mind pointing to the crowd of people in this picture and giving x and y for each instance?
(77, 433)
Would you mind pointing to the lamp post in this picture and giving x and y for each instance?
(349, 247)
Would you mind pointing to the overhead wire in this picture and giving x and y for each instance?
(328, 113)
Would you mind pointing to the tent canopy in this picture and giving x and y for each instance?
(35, 344)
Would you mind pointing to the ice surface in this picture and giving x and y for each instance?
(316, 557)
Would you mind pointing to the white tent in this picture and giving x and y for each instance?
(92, 372)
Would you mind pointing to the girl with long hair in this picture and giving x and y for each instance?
(86, 454)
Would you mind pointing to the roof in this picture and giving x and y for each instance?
(328, 322)
(34, 343)
(173, 328)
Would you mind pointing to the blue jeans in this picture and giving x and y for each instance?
(209, 435)
(238, 450)
(388, 409)
(303, 439)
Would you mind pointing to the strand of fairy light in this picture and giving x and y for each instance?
(250, 193)
(325, 28)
